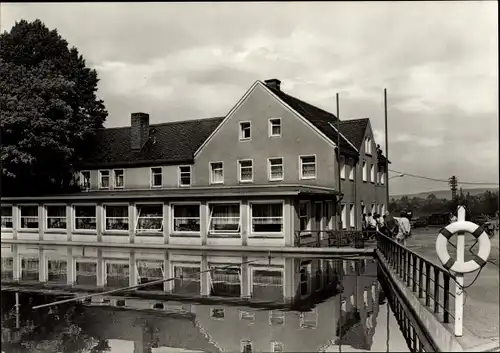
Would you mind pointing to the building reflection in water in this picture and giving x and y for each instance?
(247, 303)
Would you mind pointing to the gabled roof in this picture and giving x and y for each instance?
(169, 143)
(354, 130)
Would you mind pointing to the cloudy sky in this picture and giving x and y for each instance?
(177, 61)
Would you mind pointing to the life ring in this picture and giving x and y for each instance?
(478, 260)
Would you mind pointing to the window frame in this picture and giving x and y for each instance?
(308, 204)
(172, 216)
(20, 217)
(343, 215)
(269, 169)
(382, 176)
(301, 167)
(368, 146)
(151, 177)
(137, 216)
(11, 217)
(258, 267)
(266, 202)
(240, 180)
(82, 179)
(184, 264)
(74, 217)
(242, 129)
(107, 262)
(342, 167)
(212, 171)
(115, 186)
(46, 216)
(352, 215)
(180, 173)
(271, 125)
(372, 173)
(104, 218)
(100, 179)
(221, 232)
(365, 171)
(274, 344)
(351, 169)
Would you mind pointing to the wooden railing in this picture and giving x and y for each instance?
(332, 238)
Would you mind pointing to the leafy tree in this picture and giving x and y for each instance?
(48, 107)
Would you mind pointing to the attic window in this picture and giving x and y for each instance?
(275, 127)
(245, 130)
(104, 179)
(185, 175)
(119, 178)
(156, 177)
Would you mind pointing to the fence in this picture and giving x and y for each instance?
(430, 282)
(332, 238)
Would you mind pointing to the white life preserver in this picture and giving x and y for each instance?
(478, 260)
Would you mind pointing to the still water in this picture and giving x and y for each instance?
(337, 306)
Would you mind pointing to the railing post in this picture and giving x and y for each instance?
(446, 298)
(436, 290)
(427, 284)
(408, 268)
(414, 273)
(318, 239)
(420, 277)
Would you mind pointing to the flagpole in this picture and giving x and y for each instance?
(386, 152)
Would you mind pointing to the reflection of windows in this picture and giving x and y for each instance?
(247, 315)
(149, 218)
(7, 268)
(224, 218)
(57, 271)
(267, 217)
(305, 270)
(150, 271)
(217, 313)
(85, 217)
(276, 318)
(116, 217)
(7, 217)
(277, 347)
(186, 218)
(225, 281)
(29, 217)
(304, 215)
(246, 346)
(117, 274)
(29, 269)
(267, 284)
(309, 319)
(56, 217)
(187, 279)
(86, 272)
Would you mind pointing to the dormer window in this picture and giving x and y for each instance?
(275, 127)
(245, 130)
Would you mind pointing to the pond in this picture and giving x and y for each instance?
(345, 310)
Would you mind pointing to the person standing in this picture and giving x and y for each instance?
(404, 230)
(391, 225)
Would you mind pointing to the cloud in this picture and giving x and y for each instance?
(437, 60)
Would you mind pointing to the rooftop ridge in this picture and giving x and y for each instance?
(163, 124)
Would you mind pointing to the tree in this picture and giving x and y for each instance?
(49, 109)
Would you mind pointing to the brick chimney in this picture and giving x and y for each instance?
(273, 83)
(139, 132)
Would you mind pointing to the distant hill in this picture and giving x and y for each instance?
(444, 194)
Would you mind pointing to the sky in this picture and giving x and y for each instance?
(178, 61)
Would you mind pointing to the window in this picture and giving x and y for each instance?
(7, 217)
(187, 279)
(277, 347)
(57, 271)
(363, 208)
(117, 274)
(86, 273)
(275, 168)
(224, 218)
(7, 268)
(185, 175)
(116, 217)
(342, 167)
(372, 173)
(308, 167)
(343, 212)
(245, 130)
(104, 179)
(309, 319)
(246, 346)
(85, 179)
(364, 171)
(267, 218)
(216, 172)
(373, 209)
(304, 215)
(267, 284)
(245, 170)
(225, 281)
(351, 169)
(118, 178)
(275, 127)
(150, 271)
(382, 209)
(29, 217)
(351, 215)
(368, 145)
(30, 269)
(186, 218)
(85, 217)
(56, 217)
(382, 177)
(149, 218)
(156, 177)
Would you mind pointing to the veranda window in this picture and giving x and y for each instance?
(187, 280)
(7, 217)
(225, 282)
(29, 217)
(86, 273)
(117, 274)
(7, 268)
(57, 271)
(267, 284)
(85, 217)
(116, 217)
(267, 218)
(224, 218)
(186, 218)
(304, 215)
(150, 271)
(30, 269)
(56, 217)
(149, 218)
